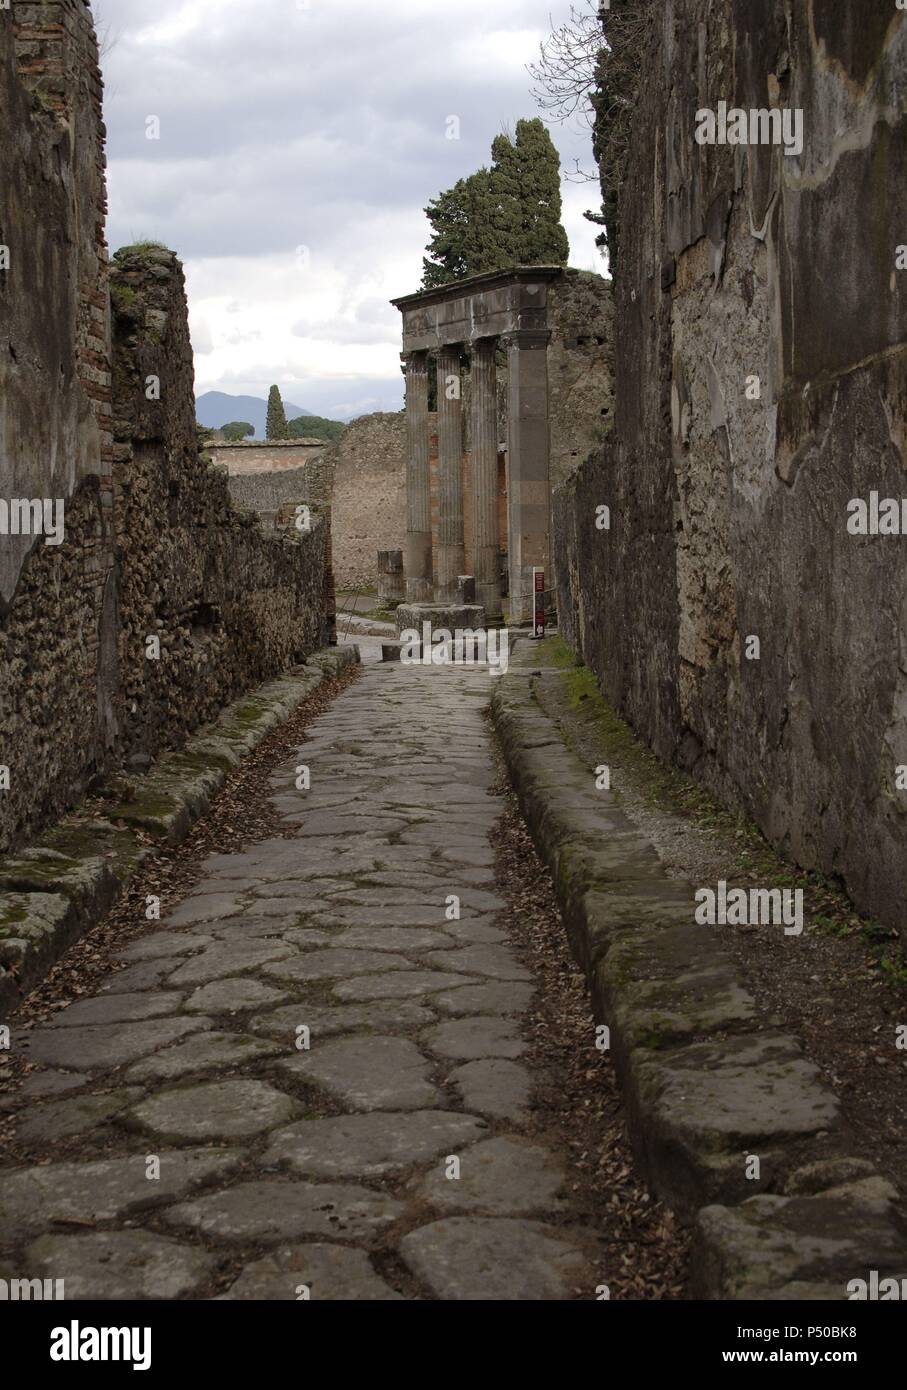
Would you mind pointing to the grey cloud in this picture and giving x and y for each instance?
(277, 128)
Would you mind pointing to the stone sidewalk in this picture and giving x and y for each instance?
(307, 1079)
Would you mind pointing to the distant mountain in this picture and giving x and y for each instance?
(216, 408)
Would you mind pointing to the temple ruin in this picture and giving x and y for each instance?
(474, 321)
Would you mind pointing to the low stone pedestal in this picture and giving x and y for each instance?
(452, 616)
(391, 581)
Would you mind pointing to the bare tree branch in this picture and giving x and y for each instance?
(589, 69)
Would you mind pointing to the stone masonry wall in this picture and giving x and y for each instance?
(369, 496)
(761, 386)
(230, 604)
(57, 638)
(151, 544)
(580, 368)
(276, 495)
(246, 457)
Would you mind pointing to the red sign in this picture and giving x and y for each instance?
(538, 586)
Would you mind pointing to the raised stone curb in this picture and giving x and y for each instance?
(53, 891)
(707, 1083)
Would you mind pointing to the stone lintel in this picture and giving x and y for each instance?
(485, 306)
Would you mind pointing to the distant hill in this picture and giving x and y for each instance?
(216, 408)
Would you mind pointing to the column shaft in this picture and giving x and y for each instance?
(486, 564)
(418, 482)
(450, 475)
(528, 493)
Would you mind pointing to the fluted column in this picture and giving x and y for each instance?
(528, 492)
(486, 565)
(450, 474)
(418, 482)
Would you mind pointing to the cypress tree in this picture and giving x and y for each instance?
(276, 426)
(504, 216)
(532, 166)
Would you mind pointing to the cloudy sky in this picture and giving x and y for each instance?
(299, 142)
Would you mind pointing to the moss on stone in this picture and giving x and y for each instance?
(141, 248)
(124, 297)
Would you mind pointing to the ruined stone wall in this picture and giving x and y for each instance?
(150, 544)
(57, 638)
(268, 493)
(229, 603)
(580, 368)
(257, 456)
(369, 496)
(761, 323)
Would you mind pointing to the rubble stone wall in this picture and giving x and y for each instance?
(368, 507)
(150, 545)
(230, 603)
(57, 636)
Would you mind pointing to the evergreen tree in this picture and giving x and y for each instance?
(528, 171)
(504, 216)
(463, 240)
(276, 427)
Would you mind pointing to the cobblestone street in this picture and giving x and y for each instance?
(308, 1076)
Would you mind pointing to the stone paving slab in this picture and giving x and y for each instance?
(334, 965)
(279, 1209)
(494, 1087)
(325, 1272)
(103, 1190)
(500, 1259)
(211, 1051)
(237, 1109)
(504, 1176)
(233, 995)
(102, 1046)
(401, 984)
(229, 958)
(384, 1015)
(61, 1119)
(119, 1008)
(369, 1073)
(372, 1145)
(119, 1265)
(498, 999)
(469, 1038)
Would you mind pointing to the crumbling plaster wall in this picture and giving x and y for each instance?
(729, 499)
